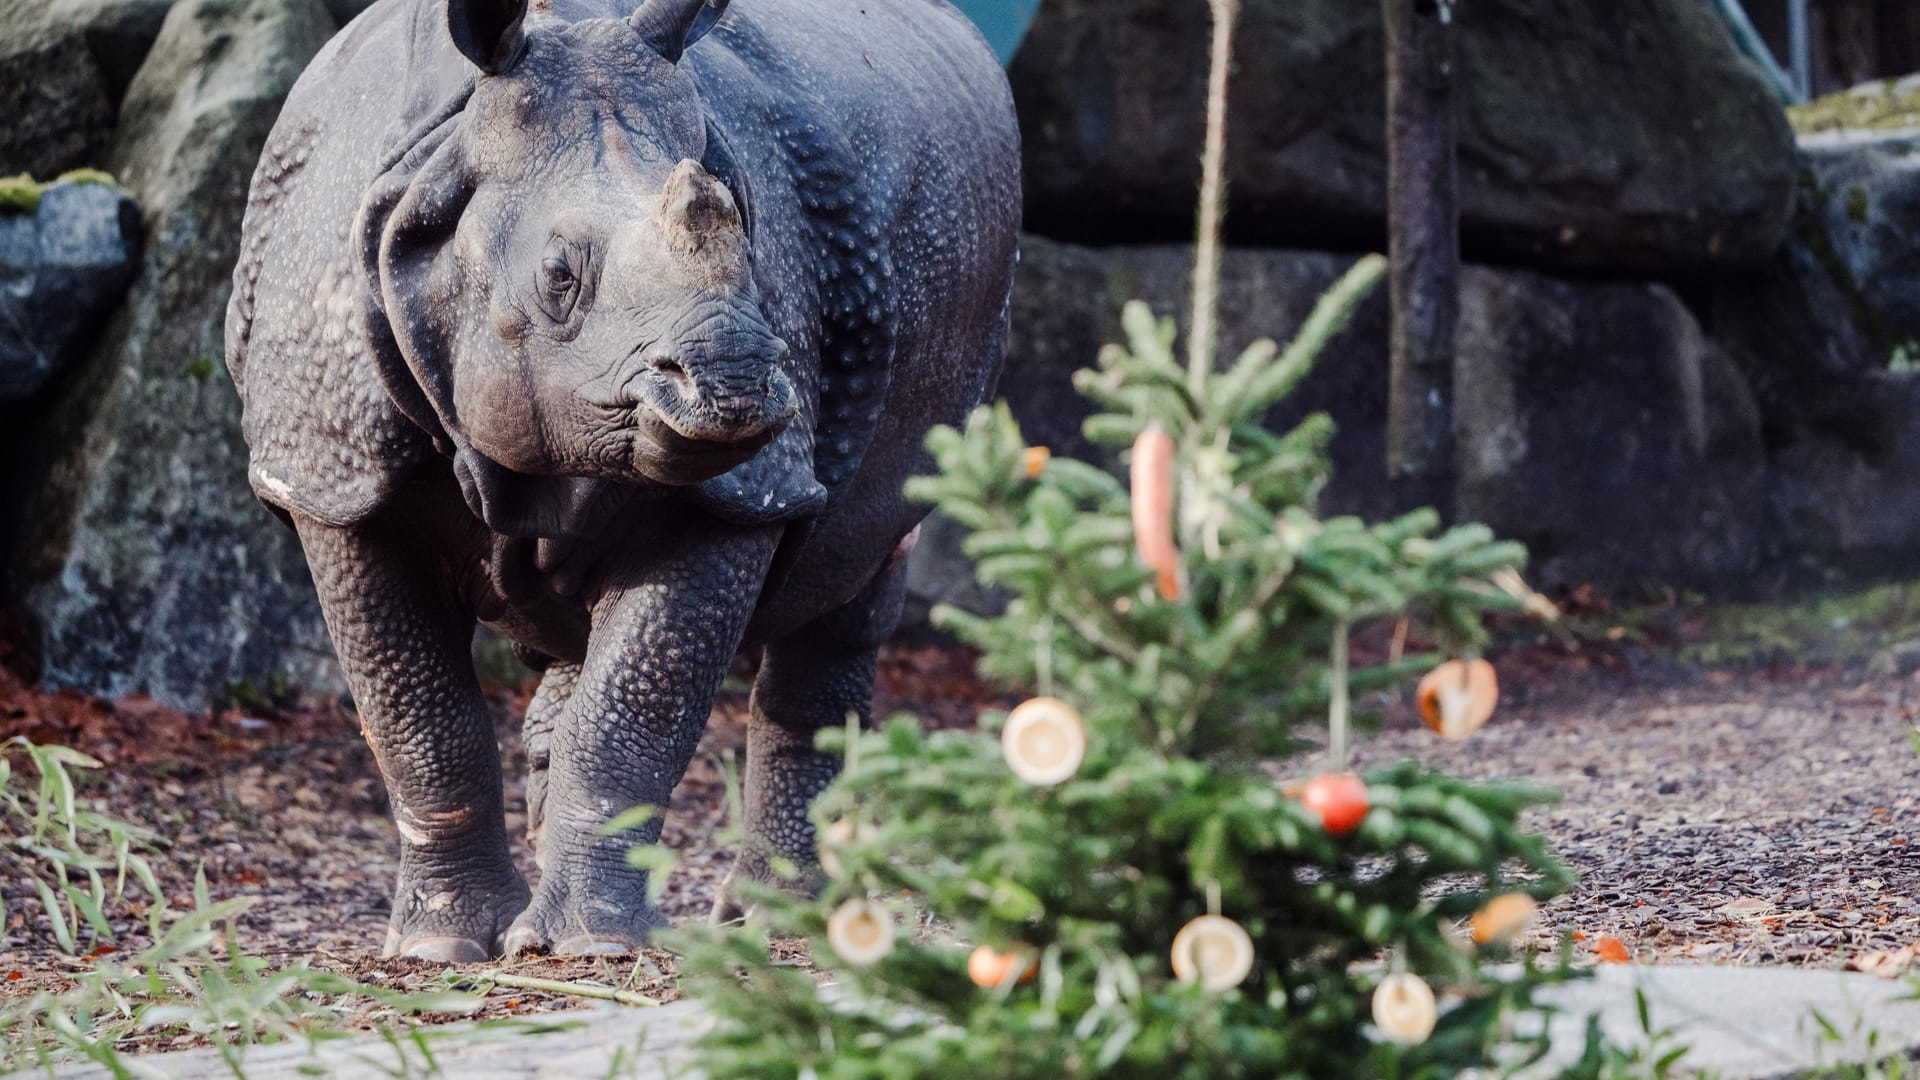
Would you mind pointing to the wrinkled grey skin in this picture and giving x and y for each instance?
(623, 345)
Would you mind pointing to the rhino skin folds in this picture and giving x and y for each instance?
(617, 330)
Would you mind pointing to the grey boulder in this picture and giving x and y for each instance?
(1863, 194)
(1850, 506)
(62, 269)
(1596, 422)
(146, 562)
(1618, 136)
(64, 67)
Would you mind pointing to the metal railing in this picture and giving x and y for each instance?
(1794, 85)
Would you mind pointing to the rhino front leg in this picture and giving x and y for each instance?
(664, 631)
(402, 636)
(808, 680)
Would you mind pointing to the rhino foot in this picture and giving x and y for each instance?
(579, 912)
(454, 920)
(755, 863)
(579, 933)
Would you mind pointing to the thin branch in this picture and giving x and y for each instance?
(554, 986)
(1337, 706)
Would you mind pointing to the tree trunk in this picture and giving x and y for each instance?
(1424, 243)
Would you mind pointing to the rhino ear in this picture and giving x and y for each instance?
(488, 32)
(670, 27)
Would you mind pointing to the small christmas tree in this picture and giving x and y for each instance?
(1160, 866)
(1113, 882)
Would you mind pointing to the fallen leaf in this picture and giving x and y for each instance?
(1886, 963)
(1611, 951)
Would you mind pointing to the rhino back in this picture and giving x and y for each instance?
(884, 156)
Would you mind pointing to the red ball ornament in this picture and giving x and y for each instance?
(1339, 798)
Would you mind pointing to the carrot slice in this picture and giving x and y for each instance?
(1151, 475)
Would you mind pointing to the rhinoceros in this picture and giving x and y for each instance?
(616, 330)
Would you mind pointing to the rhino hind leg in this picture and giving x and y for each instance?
(536, 736)
(402, 636)
(808, 680)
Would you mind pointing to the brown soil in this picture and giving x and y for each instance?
(287, 808)
(1751, 816)
(1726, 816)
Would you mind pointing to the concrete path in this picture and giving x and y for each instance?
(1737, 1022)
(1744, 1021)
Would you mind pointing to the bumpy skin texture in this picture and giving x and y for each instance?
(619, 331)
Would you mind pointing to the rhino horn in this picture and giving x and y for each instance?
(701, 219)
(670, 27)
(488, 32)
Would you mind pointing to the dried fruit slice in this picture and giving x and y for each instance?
(1213, 951)
(989, 967)
(844, 832)
(860, 931)
(1404, 1008)
(1503, 918)
(1457, 698)
(1044, 741)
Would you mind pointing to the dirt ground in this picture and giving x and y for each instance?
(1750, 815)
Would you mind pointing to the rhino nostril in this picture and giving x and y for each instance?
(670, 368)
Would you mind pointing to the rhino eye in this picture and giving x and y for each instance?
(558, 288)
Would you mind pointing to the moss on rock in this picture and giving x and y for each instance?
(19, 194)
(87, 176)
(1882, 106)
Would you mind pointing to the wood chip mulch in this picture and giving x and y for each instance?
(1746, 817)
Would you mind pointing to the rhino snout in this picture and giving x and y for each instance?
(741, 404)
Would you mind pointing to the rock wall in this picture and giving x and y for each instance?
(1674, 355)
(1828, 336)
(64, 67)
(1595, 421)
(1628, 136)
(62, 269)
(145, 557)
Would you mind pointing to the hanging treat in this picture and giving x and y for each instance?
(1033, 459)
(1213, 951)
(860, 931)
(1503, 918)
(1457, 698)
(1151, 479)
(989, 967)
(1044, 741)
(844, 832)
(1339, 798)
(1404, 1009)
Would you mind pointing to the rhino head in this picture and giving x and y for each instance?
(562, 258)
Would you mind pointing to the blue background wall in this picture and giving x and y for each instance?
(1002, 21)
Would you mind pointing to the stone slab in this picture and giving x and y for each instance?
(1735, 1021)
(1741, 1021)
